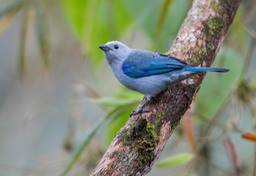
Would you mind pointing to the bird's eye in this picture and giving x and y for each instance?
(116, 46)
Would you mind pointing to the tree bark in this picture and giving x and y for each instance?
(138, 144)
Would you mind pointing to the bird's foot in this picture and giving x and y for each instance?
(141, 106)
(138, 111)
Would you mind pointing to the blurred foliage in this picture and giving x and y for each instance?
(93, 27)
(221, 96)
(123, 103)
(211, 97)
(84, 144)
(7, 12)
(28, 9)
(175, 160)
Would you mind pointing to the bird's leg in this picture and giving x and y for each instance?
(140, 109)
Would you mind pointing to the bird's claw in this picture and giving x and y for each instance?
(138, 111)
(140, 108)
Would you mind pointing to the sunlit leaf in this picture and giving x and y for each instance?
(175, 160)
(128, 93)
(249, 136)
(93, 27)
(124, 97)
(113, 101)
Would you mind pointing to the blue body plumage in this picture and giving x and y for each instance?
(147, 72)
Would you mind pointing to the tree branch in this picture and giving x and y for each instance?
(139, 143)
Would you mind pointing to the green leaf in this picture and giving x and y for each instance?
(128, 93)
(75, 12)
(42, 33)
(172, 22)
(151, 18)
(175, 160)
(115, 101)
(163, 16)
(114, 114)
(93, 27)
(121, 117)
(124, 97)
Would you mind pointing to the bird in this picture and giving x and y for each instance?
(148, 72)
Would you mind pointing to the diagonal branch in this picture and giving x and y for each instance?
(139, 143)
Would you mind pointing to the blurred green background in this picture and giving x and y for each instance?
(59, 97)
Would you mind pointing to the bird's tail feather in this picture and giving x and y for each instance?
(206, 69)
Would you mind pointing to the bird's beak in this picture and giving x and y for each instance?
(104, 48)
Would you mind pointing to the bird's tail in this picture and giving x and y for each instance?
(206, 69)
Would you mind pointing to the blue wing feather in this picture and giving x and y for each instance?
(136, 66)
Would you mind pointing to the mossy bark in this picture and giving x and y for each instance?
(138, 144)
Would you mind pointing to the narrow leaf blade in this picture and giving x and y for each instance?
(163, 16)
(22, 47)
(82, 146)
(42, 34)
(114, 101)
(7, 19)
(175, 160)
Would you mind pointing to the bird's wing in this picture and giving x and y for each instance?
(137, 66)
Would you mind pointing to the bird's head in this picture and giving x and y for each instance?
(115, 51)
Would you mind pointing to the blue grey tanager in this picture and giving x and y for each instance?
(148, 72)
